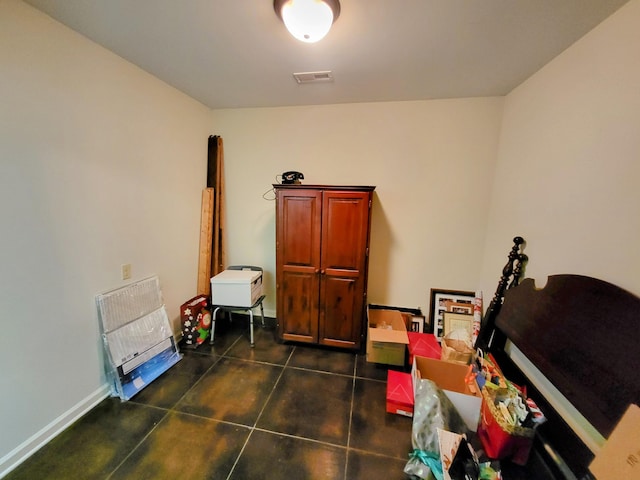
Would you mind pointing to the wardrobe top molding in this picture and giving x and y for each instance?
(324, 187)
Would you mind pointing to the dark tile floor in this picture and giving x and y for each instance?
(277, 411)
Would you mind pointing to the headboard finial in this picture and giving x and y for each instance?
(486, 331)
(517, 271)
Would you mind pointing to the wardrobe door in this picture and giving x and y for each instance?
(343, 267)
(298, 263)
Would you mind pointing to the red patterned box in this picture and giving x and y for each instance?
(423, 345)
(399, 393)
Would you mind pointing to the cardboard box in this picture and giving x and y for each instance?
(399, 393)
(423, 344)
(620, 456)
(457, 351)
(236, 288)
(450, 377)
(387, 338)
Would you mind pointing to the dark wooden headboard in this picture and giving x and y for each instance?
(583, 335)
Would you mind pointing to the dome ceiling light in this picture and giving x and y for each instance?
(307, 20)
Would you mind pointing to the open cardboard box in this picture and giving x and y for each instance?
(619, 456)
(450, 377)
(387, 338)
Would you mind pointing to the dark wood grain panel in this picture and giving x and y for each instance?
(583, 335)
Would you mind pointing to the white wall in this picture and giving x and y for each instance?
(568, 169)
(432, 164)
(100, 164)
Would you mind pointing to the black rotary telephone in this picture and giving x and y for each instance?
(292, 177)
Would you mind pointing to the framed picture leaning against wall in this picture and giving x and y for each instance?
(456, 301)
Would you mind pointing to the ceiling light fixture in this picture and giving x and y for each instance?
(307, 20)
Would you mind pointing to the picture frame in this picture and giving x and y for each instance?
(417, 324)
(457, 321)
(438, 305)
(458, 307)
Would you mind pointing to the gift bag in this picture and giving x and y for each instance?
(195, 316)
(502, 439)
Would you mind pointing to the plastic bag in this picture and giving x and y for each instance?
(432, 410)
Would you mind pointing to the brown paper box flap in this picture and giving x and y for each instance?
(620, 457)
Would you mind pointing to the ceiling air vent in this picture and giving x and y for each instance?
(313, 77)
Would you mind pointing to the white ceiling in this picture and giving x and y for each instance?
(237, 53)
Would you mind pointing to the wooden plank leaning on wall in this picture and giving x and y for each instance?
(211, 253)
(206, 242)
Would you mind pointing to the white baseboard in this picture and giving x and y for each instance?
(30, 446)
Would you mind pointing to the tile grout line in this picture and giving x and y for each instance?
(299, 361)
(298, 437)
(253, 428)
(172, 408)
(273, 389)
(142, 440)
(353, 396)
(217, 360)
(287, 364)
(325, 372)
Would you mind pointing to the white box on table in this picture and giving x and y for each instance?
(236, 288)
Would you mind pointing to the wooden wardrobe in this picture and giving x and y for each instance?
(322, 256)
